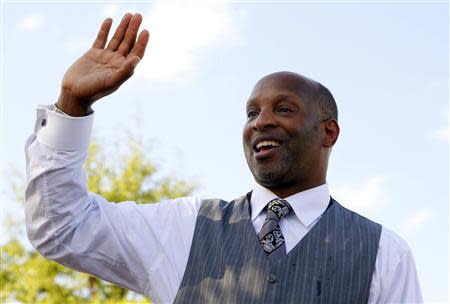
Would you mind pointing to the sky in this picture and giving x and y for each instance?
(386, 64)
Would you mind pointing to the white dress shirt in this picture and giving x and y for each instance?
(145, 247)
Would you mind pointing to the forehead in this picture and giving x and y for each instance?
(289, 86)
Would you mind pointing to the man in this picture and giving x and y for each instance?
(286, 241)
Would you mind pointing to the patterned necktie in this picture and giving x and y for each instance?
(270, 236)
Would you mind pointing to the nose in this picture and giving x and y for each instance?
(265, 119)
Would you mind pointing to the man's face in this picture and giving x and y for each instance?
(281, 142)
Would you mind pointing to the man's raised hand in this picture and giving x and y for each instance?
(101, 71)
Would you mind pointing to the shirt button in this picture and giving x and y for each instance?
(271, 278)
(44, 122)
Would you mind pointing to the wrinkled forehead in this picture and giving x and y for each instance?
(285, 83)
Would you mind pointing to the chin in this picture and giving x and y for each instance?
(269, 178)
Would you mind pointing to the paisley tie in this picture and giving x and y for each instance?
(270, 236)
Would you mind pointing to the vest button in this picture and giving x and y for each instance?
(271, 278)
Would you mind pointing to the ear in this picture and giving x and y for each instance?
(330, 133)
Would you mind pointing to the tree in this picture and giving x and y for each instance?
(27, 277)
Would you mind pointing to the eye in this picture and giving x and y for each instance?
(284, 109)
(251, 114)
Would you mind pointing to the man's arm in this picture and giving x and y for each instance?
(64, 222)
(140, 247)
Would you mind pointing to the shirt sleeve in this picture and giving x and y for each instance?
(140, 247)
(395, 277)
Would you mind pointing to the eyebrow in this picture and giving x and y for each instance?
(286, 96)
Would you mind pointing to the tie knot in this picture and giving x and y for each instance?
(279, 206)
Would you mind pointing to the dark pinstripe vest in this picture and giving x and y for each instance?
(333, 263)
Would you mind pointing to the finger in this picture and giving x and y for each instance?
(140, 45)
(102, 35)
(130, 35)
(123, 73)
(120, 32)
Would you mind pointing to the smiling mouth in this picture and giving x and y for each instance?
(265, 149)
(266, 145)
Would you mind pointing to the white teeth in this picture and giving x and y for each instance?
(267, 143)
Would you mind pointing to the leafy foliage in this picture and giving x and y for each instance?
(27, 277)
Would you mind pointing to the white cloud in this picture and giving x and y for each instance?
(179, 30)
(361, 198)
(414, 222)
(31, 22)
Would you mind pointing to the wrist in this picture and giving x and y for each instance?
(73, 106)
(58, 110)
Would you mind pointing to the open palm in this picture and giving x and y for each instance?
(101, 71)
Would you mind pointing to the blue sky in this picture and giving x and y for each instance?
(386, 64)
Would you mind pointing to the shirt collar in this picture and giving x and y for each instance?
(308, 205)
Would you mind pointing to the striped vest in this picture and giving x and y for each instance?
(333, 263)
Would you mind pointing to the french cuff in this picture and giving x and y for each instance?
(62, 132)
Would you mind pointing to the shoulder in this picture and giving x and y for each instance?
(353, 218)
(392, 245)
(214, 206)
(394, 255)
(217, 208)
